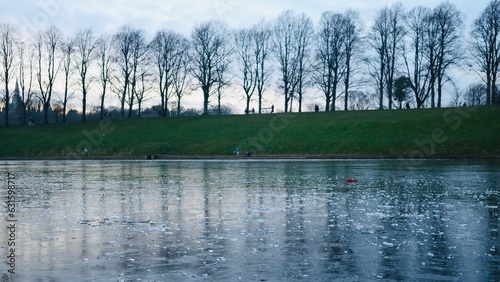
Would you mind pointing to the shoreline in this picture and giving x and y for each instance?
(265, 157)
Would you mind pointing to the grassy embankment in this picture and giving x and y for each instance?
(419, 133)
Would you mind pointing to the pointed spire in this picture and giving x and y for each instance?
(17, 102)
(16, 90)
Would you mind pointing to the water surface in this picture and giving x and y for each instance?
(255, 220)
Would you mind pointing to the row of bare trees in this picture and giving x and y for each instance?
(435, 47)
(486, 49)
(338, 40)
(253, 52)
(405, 55)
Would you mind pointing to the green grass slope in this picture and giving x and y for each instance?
(467, 131)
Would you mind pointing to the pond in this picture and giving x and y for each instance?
(251, 220)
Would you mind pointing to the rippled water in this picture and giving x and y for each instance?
(254, 220)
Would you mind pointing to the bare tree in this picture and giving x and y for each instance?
(144, 85)
(263, 46)
(167, 48)
(486, 48)
(223, 81)
(68, 51)
(353, 28)
(291, 36)
(386, 39)
(253, 47)
(456, 96)
(47, 44)
(421, 48)
(123, 41)
(104, 45)
(449, 25)
(210, 53)
(416, 65)
(434, 36)
(475, 95)
(304, 35)
(379, 41)
(394, 50)
(7, 53)
(85, 45)
(431, 51)
(26, 83)
(285, 52)
(139, 59)
(358, 101)
(181, 78)
(244, 41)
(330, 56)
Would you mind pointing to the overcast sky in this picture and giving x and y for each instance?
(105, 16)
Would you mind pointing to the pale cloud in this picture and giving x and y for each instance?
(153, 15)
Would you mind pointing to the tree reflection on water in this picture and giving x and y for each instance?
(257, 220)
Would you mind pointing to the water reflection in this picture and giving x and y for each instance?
(257, 220)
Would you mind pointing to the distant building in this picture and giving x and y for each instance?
(16, 106)
(17, 101)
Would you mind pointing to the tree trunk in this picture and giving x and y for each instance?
(65, 101)
(7, 110)
(46, 112)
(381, 88)
(7, 97)
(130, 106)
(206, 94)
(179, 107)
(165, 104)
(24, 112)
(439, 90)
(494, 87)
(346, 94)
(347, 79)
(123, 107)
(260, 104)
(286, 102)
(219, 111)
(84, 106)
(162, 106)
(102, 103)
(300, 103)
(247, 109)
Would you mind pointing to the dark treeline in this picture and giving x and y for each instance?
(405, 59)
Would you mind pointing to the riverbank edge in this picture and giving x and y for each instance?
(266, 157)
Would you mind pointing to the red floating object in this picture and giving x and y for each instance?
(351, 180)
